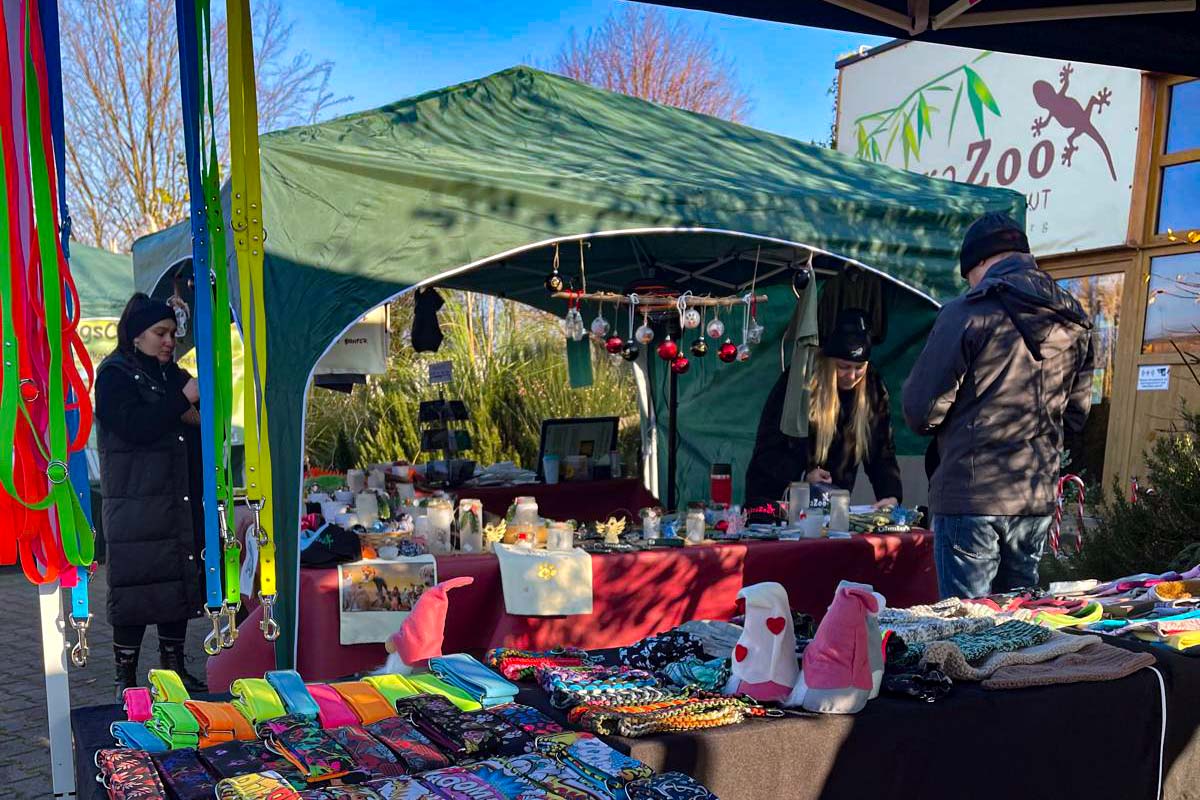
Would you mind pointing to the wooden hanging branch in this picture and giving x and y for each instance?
(651, 301)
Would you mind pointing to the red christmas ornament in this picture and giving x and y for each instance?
(727, 352)
(613, 344)
(668, 349)
(680, 364)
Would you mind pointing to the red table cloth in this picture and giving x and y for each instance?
(584, 501)
(635, 595)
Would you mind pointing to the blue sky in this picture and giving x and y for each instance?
(386, 50)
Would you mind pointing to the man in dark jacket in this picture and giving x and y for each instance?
(1007, 369)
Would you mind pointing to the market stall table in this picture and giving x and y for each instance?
(635, 595)
(1115, 739)
(584, 501)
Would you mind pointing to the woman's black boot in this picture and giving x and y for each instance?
(171, 656)
(126, 659)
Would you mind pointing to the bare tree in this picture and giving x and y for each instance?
(639, 51)
(126, 171)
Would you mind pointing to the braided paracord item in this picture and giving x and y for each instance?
(522, 665)
(570, 686)
(673, 715)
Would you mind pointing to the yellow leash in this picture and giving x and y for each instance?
(248, 244)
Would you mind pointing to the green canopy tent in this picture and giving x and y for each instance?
(471, 187)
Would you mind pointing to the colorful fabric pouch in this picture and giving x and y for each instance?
(288, 684)
(138, 701)
(358, 792)
(256, 786)
(410, 745)
(669, 786)
(369, 754)
(129, 775)
(184, 775)
(166, 687)
(466, 673)
(230, 759)
(311, 750)
(570, 686)
(136, 736)
(691, 672)
(487, 779)
(510, 739)
(522, 665)
(560, 780)
(529, 720)
(366, 703)
(655, 652)
(332, 709)
(402, 789)
(432, 684)
(452, 731)
(392, 687)
(219, 722)
(594, 759)
(256, 700)
(175, 725)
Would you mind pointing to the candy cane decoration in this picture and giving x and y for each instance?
(1056, 530)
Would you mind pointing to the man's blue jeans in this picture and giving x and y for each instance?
(977, 556)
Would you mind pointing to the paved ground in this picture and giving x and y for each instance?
(24, 745)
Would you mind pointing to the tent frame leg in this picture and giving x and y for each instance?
(58, 690)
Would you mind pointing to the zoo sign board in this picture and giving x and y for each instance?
(1062, 134)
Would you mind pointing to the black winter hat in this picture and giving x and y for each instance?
(992, 233)
(851, 337)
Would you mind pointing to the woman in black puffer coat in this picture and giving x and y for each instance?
(151, 481)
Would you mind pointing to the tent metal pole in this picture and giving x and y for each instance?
(58, 690)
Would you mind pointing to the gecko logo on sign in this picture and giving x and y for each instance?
(992, 119)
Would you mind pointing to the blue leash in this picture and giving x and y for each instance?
(189, 78)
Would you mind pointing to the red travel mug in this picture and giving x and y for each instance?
(720, 484)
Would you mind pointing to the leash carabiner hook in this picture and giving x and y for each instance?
(269, 626)
(231, 629)
(79, 652)
(212, 642)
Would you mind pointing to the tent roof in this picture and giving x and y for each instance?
(1122, 34)
(104, 280)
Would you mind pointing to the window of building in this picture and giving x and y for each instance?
(1100, 296)
(1173, 310)
(1179, 202)
(1183, 117)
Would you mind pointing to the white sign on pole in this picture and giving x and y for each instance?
(1064, 135)
(439, 372)
(362, 350)
(1156, 378)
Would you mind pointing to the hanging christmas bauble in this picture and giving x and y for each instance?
(700, 348)
(554, 282)
(600, 327)
(754, 332)
(680, 364)
(691, 318)
(573, 324)
(613, 344)
(715, 329)
(668, 349)
(727, 352)
(630, 351)
(743, 352)
(644, 334)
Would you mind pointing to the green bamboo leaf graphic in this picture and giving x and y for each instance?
(922, 119)
(954, 113)
(980, 97)
(875, 155)
(891, 140)
(939, 88)
(911, 146)
(862, 141)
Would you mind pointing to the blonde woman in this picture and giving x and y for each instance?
(849, 424)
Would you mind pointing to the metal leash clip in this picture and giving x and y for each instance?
(269, 626)
(231, 629)
(79, 652)
(212, 642)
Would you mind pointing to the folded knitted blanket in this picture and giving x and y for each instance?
(1093, 662)
(973, 657)
(921, 630)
